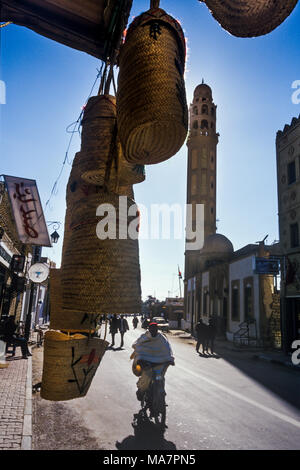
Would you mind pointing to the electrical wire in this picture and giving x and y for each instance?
(76, 126)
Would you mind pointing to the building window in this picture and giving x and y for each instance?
(195, 125)
(195, 110)
(294, 230)
(291, 172)
(204, 124)
(212, 111)
(248, 301)
(205, 298)
(204, 109)
(235, 307)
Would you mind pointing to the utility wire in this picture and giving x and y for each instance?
(75, 129)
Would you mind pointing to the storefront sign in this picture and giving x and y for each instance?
(27, 210)
(266, 266)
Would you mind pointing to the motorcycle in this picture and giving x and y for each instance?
(153, 400)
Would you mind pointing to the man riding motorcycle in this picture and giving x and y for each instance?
(151, 350)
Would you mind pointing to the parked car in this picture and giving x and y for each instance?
(161, 323)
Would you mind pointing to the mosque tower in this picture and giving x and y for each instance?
(202, 162)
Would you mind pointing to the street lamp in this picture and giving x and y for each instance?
(54, 236)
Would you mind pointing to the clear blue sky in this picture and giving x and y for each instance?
(251, 79)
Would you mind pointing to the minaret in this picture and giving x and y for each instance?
(202, 159)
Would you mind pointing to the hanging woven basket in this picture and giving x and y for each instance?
(102, 157)
(152, 111)
(70, 363)
(249, 18)
(100, 276)
(63, 319)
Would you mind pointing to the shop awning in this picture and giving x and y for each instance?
(85, 25)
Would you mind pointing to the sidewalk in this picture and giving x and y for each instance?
(16, 404)
(275, 357)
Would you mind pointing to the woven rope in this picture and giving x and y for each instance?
(249, 18)
(70, 363)
(151, 101)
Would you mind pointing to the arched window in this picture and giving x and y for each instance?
(195, 125)
(212, 111)
(204, 109)
(195, 110)
(204, 124)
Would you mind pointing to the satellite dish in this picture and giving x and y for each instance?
(38, 272)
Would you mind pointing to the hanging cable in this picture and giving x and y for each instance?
(76, 126)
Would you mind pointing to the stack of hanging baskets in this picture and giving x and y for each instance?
(151, 100)
(102, 160)
(249, 18)
(70, 363)
(100, 276)
(68, 320)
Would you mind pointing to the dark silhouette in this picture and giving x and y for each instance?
(11, 338)
(123, 327)
(211, 331)
(147, 436)
(201, 335)
(113, 328)
(135, 322)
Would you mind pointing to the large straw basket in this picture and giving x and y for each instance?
(100, 276)
(63, 319)
(70, 363)
(151, 100)
(249, 18)
(102, 157)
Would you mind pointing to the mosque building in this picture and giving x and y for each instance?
(220, 282)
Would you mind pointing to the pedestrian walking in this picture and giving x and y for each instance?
(135, 322)
(201, 335)
(123, 327)
(211, 334)
(113, 328)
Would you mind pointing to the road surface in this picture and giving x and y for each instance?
(228, 401)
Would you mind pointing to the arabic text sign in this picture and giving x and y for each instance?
(27, 210)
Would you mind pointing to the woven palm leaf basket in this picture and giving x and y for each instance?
(249, 18)
(101, 276)
(151, 99)
(63, 319)
(70, 363)
(102, 159)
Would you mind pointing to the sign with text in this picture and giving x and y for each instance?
(266, 266)
(27, 210)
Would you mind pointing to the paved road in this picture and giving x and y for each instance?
(225, 402)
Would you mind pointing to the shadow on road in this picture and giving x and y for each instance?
(147, 436)
(280, 380)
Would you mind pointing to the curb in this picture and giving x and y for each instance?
(276, 361)
(27, 422)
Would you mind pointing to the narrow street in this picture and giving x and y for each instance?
(226, 401)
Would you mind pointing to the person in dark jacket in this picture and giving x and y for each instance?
(211, 334)
(9, 336)
(201, 336)
(135, 322)
(123, 327)
(113, 328)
